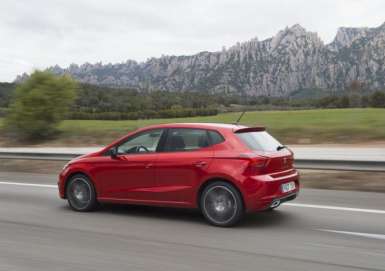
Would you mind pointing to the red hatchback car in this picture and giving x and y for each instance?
(224, 170)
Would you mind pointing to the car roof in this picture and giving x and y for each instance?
(216, 126)
(201, 125)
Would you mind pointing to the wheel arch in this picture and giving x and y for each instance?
(217, 179)
(77, 172)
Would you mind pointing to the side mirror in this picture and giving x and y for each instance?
(113, 152)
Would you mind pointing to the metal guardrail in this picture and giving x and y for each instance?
(38, 156)
(352, 165)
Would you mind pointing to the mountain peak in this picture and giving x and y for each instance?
(347, 35)
(382, 26)
(297, 27)
(295, 37)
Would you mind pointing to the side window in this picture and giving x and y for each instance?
(185, 139)
(145, 142)
(215, 137)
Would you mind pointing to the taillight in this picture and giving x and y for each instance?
(256, 166)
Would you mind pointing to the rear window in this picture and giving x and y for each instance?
(259, 141)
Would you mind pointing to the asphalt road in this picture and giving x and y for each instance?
(321, 230)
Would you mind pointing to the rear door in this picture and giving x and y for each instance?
(182, 162)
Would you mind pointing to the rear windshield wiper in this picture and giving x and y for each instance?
(281, 147)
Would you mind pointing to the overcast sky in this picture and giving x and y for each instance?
(35, 34)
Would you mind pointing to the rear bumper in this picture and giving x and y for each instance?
(278, 201)
(261, 191)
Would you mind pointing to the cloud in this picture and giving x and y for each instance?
(40, 33)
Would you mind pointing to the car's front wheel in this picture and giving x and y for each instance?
(81, 193)
(221, 204)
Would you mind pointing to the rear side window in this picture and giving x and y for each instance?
(215, 137)
(184, 139)
(259, 141)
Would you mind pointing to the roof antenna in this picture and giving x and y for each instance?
(240, 117)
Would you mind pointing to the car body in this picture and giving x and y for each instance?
(171, 164)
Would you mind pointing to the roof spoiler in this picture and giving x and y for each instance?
(250, 129)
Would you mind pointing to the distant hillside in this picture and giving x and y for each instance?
(294, 59)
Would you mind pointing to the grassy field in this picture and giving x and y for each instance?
(290, 127)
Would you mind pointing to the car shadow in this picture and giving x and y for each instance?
(267, 219)
(250, 220)
(153, 212)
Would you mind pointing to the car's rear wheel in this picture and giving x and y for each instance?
(81, 193)
(221, 204)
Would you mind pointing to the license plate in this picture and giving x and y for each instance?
(287, 187)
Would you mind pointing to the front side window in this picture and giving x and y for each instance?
(184, 139)
(145, 142)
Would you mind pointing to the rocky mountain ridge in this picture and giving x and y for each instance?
(293, 59)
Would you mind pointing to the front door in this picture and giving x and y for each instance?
(131, 174)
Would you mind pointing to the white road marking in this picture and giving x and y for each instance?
(30, 184)
(362, 234)
(326, 207)
(338, 208)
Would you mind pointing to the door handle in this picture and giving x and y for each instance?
(148, 165)
(200, 164)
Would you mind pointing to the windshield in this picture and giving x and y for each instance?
(259, 141)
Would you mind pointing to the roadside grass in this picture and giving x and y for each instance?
(339, 126)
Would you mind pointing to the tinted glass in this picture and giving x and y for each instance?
(215, 137)
(143, 143)
(259, 141)
(180, 139)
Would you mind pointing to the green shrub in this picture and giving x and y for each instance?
(3, 111)
(38, 105)
(377, 99)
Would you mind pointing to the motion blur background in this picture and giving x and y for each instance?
(75, 75)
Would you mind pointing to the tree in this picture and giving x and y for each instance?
(377, 99)
(355, 91)
(343, 102)
(39, 104)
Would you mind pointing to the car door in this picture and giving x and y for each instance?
(130, 174)
(182, 162)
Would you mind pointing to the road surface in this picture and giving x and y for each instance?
(321, 230)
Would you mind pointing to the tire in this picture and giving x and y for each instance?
(81, 194)
(221, 204)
